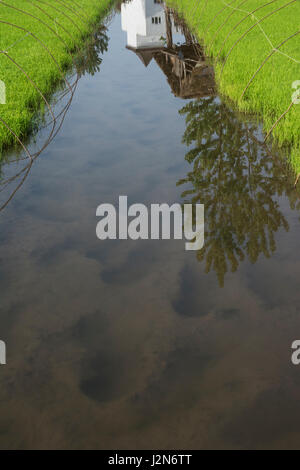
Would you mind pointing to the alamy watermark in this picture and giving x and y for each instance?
(296, 354)
(2, 353)
(2, 92)
(296, 94)
(154, 224)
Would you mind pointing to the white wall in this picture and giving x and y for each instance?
(136, 18)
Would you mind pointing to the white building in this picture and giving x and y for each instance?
(145, 23)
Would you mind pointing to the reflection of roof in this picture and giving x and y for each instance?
(187, 72)
(144, 54)
(188, 75)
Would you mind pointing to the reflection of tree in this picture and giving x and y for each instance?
(89, 58)
(237, 180)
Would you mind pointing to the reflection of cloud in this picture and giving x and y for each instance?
(192, 299)
(177, 386)
(274, 413)
(138, 265)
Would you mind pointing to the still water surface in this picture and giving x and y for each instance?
(126, 344)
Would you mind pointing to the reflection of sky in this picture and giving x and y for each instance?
(131, 344)
(130, 110)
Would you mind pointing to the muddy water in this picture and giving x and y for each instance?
(140, 344)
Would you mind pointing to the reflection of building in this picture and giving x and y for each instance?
(188, 74)
(145, 24)
(150, 27)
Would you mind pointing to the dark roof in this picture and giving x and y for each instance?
(145, 56)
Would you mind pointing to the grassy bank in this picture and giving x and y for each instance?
(248, 69)
(37, 47)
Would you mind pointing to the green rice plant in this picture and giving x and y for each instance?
(38, 42)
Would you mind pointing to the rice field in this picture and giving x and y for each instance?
(38, 41)
(255, 49)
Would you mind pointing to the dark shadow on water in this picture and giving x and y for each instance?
(177, 386)
(192, 300)
(101, 376)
